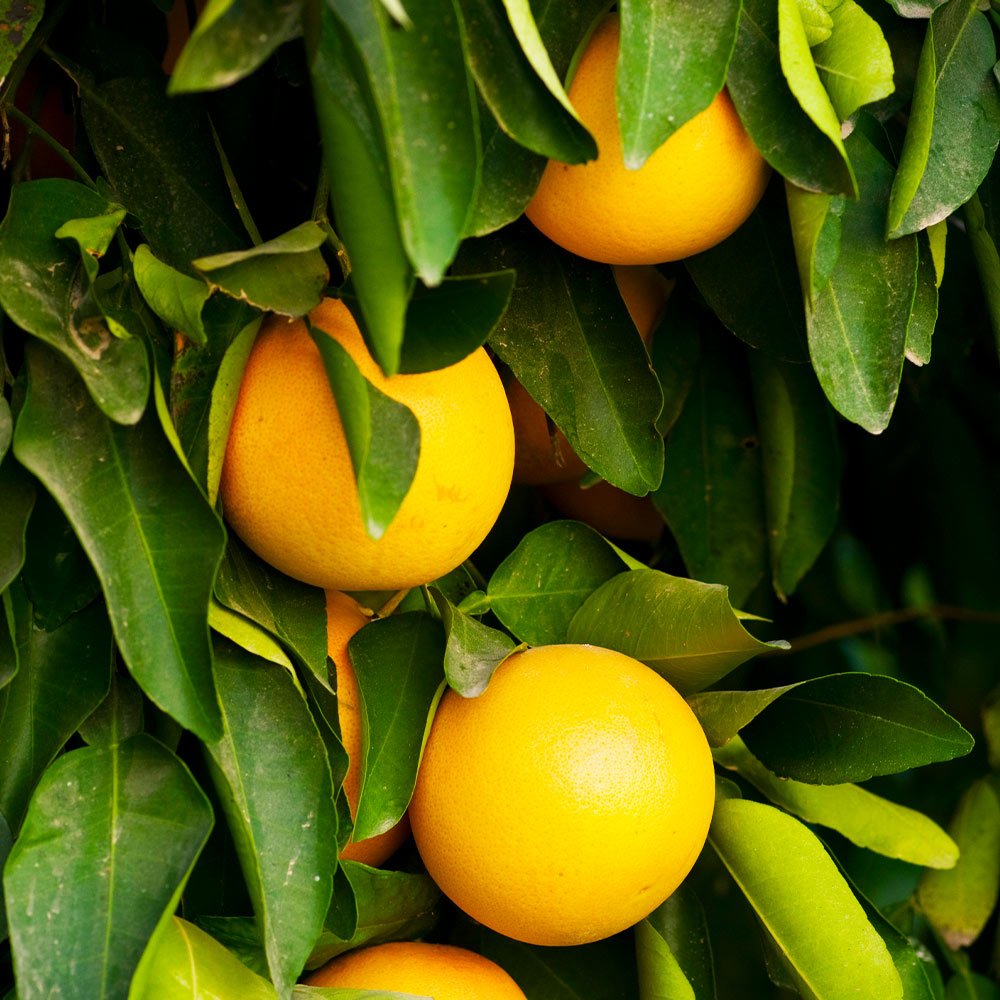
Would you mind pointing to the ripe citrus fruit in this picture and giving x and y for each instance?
(288, 485)
(541, 456)
(692, 193)
(343, 619)
(568, 800)
(609, 510)
(440, 971)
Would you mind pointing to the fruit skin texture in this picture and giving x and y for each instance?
(440, 971)
(693, 192)
(288, 486)
(568, 800)
(343, 619)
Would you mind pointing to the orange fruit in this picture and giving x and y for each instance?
(440, 971)
(607, 509)
(693, 192)
(541, 456)
(288, 486)
(568, 800)
(343, 618)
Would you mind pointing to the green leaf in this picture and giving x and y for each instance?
(426, 105)
(967, 985)
(20, 20)
(175, 297)
(673, 951)
(17, 498)
(857, 323)
(990, 715)
(748, 280)
(801, 467)
(723, 714)
(357, 165)
(40, 277)
(569, 339)
(864, 818)
(472, 651)
(109, 840)
(447, 323)
(671, 64)
(538, 588)
(712, 491)
(155, 565)
(285, 275)
(851, 727)
(780, 129)
(924, 314)
(62, 677)
(383, 436)
(954, 124)
(958, 902)
(118, 717)
(516, 79)
(285, 831)
(398, 664)
(6, 426)
(391, 906)
(685, 630)
(231, 39)
(245, 634)
(675, 354)
(816, 232)
(803, 903)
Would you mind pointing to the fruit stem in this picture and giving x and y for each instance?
(393, 603)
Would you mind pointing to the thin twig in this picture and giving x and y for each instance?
(393, 603)
(35, 129)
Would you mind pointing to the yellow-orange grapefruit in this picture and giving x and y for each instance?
(343, 618)
(440, 971)
(692, 193)
(288, 486)
(568, 800)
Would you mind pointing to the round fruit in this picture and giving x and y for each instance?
(568, 800)
(343, 619)
(692, 193)
(609, 510)
(440, 971)
(288, 485)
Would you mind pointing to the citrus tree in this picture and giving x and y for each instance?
(780, 496)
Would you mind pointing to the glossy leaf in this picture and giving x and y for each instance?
(118, 717)
(954, 126)
(850, 727)
(675, 354)
(109, 840)
(538, 588)
(41, 275)
(923, 316)
(857, 322)
(673, 951)
(285, 832)
(175, 297)
(285, 275)
(357, 167)
(17, 498)
(231, 39)
(245, 634)
(672, 62)
(398, 664)
(968, 985)
(157, 564)
(685, 630)
(958, 903)
(801, 467)
(21, 20)
(723, 714)
(864, 818)
(803, 903)
(383, 436)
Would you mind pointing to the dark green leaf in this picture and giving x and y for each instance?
(801, 467)
(671, 64)
(673, 951)
(42, 278)
(857, 323)
(383, 436)
(806, 908)
(675, 354)
(61, 678)
(155, 559)
(398, 664)
(723, 714)
(780, 129)
(20, 20)
(17, 498)
(447, 323)
(6, 842)
(8, 643)
(109, 840)
(958, 902)
(924, 314)
(175, 297)
(473, 650)
(712, 492)
(118, 717)
(228, 46)
(538, 588)
(285, 275)
(6, 426)
(850, 727)
(968, 985)
(954, 124)
(685, 630)
(285, 831)
(357, 166)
